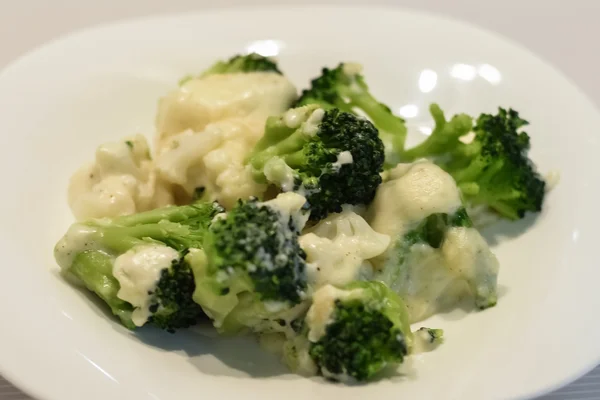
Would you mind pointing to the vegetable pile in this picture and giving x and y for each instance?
(343, 238)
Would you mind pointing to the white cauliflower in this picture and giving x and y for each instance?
(199, 102)
(121, 181)
(212, 159)
(338, 247)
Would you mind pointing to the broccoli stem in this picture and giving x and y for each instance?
(290, 145)
(505, 210)
(94, 269)
(173, 213)
(296, 160)
(277, 131)
(445, 135)
(381, 115)
(468, 174)
(121, 239)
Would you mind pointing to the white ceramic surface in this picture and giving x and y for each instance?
(59, 102)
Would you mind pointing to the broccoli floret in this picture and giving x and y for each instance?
(252, 62)
(344, 87)
(89, 252)
(174, 306)
(494, 168)
(332, 157)
(252, 268)
(357, 331)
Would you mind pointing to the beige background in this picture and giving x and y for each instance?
(565, 33)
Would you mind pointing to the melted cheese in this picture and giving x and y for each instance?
(138, 271)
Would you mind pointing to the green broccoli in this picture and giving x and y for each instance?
(252, 62)
(444, 137)
(111, 257)
(344, 87)
(494, 168)
(332, 157)
(252, 270)
(357, 331)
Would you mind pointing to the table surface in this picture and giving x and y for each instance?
(565, 33)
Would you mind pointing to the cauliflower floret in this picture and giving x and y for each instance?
(338, 247)
(121, 181)
(199, 102)
(436, 256)
(213, 160)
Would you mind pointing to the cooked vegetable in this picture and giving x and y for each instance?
(493, 169)
(138, 265)
(345, 88)
(331, 157)
(251, 267)
(357, 331)
(436, 257)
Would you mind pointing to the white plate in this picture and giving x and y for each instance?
(59, 102)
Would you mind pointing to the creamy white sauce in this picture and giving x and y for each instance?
(344, 157)
(352, 68)
(78, 238)
(321, 311)
(294, 117)
(337, 249)
(138, 271)
(311, 126)
(413, 192)
(279, 173)
(289, 205)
